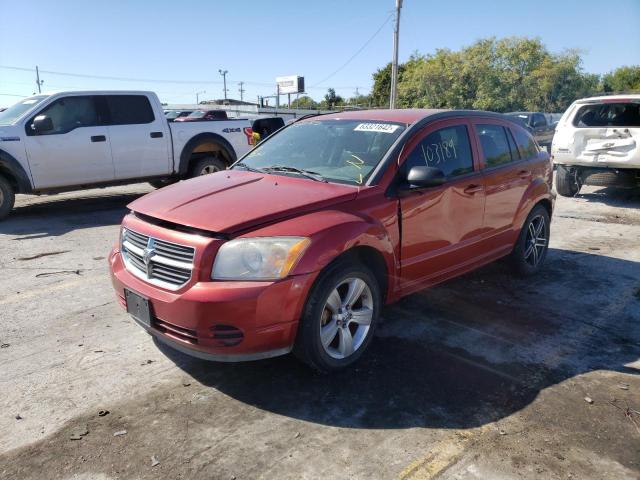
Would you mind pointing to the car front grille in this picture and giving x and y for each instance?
(166, 264)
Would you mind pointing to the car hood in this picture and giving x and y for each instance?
(232, 201)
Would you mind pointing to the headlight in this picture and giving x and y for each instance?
(260, 258)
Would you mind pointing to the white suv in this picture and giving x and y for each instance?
(597, 143)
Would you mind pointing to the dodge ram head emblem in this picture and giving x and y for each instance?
(148, 253)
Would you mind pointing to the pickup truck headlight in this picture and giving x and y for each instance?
(259, 258)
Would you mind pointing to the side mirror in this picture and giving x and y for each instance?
(421, 177)
(42, 124)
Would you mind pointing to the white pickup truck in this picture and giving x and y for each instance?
(76, 140)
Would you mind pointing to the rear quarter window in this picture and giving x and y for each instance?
(129, 109)
(615, 114)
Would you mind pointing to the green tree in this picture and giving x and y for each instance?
(623, 79)
(304, 102)
(331, 100)
(500, 75)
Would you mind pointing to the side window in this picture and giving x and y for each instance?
(447, 149)
(494, 143)
(69, 113)
(538, 120)
(129, 109)
(526, 144)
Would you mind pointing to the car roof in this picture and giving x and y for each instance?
(404, 115)
(609, 98)
(407, 116)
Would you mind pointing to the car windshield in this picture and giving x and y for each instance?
(173, 114)
(343, 151)
(14, 112)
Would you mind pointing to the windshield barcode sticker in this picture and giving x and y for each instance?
(376, 127)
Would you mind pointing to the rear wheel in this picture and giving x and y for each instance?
(567, 183)
(339, 318)
(530, 250)
(7, 197)
(207, 165)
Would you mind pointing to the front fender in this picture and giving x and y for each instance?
(10, 166)
(332, 233)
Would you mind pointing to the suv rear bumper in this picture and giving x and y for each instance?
(606, 176)
(221, 321)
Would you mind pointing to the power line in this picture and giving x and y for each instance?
(169, 81)
(357, 52)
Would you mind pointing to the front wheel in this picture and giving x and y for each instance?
(7, 197)
(339, 318)
(530, 250)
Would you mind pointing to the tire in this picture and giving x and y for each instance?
(162, 182)
(338, 324)
(530, 250)
(567, 183)
(7, 197)
(207, 165)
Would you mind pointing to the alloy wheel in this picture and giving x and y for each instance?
(346, 318)
(207, 169)
(536, 241)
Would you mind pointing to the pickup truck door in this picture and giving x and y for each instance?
(75, 151)
(440, 225)
(542, 131)
(140, 140)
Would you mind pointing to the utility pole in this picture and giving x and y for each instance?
(198, 96)
(38, 81)
(241, 90)
(224, 79)
(394, 63)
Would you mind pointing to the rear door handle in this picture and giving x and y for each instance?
(156, 134)
(98, 138)
(524, 174)
(471, 189)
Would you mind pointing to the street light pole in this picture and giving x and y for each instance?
(394, 63)
(198, 96)
(224, 79)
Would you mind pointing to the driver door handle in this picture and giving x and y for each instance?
(98, 138)
(473, 188)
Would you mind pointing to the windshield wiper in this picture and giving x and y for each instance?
(247, 167)
(305, 173)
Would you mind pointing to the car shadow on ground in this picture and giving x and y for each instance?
(466, 353)
(59, 215)
(613, 197)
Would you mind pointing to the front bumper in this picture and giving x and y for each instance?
(199, 318)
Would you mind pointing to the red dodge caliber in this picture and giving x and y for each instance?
(303, 240)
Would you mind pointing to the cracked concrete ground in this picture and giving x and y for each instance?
(482, 377)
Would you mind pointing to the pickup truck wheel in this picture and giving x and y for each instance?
(567, 183)
(7, 197)
(530, 250)
(339, 317)
(207, 165)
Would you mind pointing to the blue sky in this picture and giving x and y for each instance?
(258, 40)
